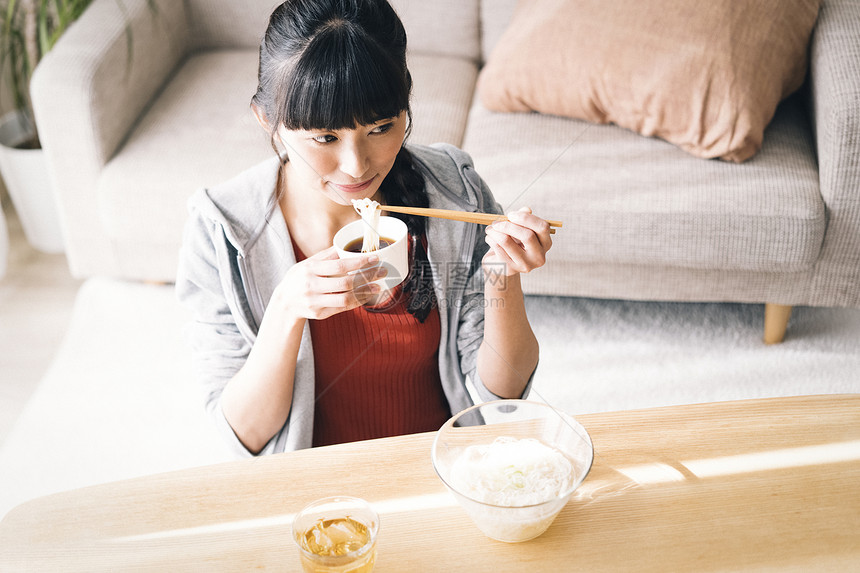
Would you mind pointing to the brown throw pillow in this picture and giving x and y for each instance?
(704, 75)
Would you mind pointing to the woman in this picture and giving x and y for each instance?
(288, 355)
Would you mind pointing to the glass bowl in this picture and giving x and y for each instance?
(512, 465)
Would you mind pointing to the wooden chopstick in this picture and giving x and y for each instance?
(467, 216)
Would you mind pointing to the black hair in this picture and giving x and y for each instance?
(333, 64)
(337, 64)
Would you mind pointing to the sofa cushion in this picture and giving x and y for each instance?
(440, 27)
(216, 24)
(178, 145)
(705, 76)
(495, 17)
(627, 199)
(442, 92)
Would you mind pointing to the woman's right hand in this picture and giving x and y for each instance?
(322, 285)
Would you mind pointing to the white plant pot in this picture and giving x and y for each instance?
(25, 173)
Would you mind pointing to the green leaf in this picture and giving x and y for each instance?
(44, 35)
(62, 14)
(10, 17)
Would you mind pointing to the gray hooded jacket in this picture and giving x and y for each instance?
(236, 249)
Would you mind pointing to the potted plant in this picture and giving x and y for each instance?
(28, 30)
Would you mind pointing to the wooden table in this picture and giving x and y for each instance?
(761, 485)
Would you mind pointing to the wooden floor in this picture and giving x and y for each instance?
(36, 298)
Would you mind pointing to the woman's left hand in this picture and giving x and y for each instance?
(520, 243)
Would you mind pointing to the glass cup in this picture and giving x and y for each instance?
(337, 535)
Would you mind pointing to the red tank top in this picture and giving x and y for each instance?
(377, 374)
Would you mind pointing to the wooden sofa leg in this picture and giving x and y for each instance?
(775, 322)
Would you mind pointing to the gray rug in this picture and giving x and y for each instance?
(118, 400)
(599, 355)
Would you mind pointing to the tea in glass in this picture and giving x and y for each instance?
(337, 535)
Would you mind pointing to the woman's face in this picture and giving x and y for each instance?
(345, 164)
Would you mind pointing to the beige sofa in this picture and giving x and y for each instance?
(130, 136)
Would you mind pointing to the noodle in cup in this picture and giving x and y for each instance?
(393, 257)
(512, 465)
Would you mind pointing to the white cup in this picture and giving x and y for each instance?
(394, 258)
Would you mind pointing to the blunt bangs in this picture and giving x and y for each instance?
(344, 79)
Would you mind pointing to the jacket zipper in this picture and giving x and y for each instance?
(253, 295)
